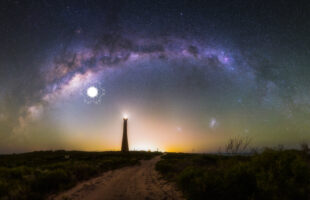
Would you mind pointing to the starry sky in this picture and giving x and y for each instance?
(190, 74)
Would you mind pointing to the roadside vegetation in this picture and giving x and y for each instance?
(38, 174)
(274, 174)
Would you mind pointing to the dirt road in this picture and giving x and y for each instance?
(129, 183)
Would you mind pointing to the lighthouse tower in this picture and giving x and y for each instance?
(125, 147)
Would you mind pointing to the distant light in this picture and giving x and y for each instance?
(92, 92)
(125, 116)
(213, 123)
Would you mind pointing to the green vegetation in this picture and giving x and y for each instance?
(38, 174)
(272, 174)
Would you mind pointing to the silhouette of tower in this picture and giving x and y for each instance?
(125, 139)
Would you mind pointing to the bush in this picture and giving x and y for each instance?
(281, 175)
(165, 168)
(273, 174)
(49, 181)
(37, 174)
(3, 188)
(83, 171)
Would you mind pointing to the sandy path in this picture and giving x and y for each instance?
(129, 183)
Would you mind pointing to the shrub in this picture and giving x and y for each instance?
(83, 170)
(35, 175)
(3, 188)
(165, 168)
(273, 174)
(281, 175)
(48, 181)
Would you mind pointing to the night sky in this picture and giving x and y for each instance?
(189, 74)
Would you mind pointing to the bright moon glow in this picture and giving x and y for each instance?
(92, 92)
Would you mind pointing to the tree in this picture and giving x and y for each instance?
(237, 144)
(304, 147)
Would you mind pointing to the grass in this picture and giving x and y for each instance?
(35, 175)
(272, 174)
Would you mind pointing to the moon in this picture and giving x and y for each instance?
(92, 92)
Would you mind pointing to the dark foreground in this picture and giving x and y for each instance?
(273, 174)
(138, 182)
(36, 175)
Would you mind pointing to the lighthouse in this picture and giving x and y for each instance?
(125, 147)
